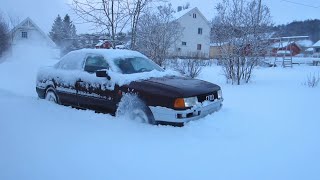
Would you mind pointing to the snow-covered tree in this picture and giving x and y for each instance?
(241, 29)
(56, 33)
(4, 36)
(157, 32)
(64, 34)
(69, 34)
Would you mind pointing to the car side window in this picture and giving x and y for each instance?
(94, 63)
(70, 62)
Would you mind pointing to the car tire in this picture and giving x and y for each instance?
(135, 109)
(51, 96)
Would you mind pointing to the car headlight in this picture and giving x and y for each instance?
(219, 94)
(185, 102)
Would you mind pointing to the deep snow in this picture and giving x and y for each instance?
(268, 129)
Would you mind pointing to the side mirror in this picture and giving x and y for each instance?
(102, 73)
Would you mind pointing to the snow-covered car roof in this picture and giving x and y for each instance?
(74, 60)
(109, 53)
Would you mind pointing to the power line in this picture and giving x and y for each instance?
(301, 4)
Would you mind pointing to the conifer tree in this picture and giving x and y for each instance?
(64, 34)
(56, 33)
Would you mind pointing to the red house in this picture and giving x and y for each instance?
(285, 48)
(103, 44)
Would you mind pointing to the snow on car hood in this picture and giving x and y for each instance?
(124, 79)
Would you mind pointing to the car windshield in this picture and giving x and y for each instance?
(133, 65)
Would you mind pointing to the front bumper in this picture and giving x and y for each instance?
(182, 116)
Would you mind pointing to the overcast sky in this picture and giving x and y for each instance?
(43, 12)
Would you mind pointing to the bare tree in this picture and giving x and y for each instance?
(135, 8)
(157, 32)
(241, 34)
(4, 35)
(110, 15)
(14, 20)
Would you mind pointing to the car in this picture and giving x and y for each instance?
(127, 82)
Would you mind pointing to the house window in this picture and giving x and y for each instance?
(198, 46)
(199, 30)
(194, 15)
(24, 34)
(184, 43)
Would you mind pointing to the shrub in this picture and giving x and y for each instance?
(312, 80)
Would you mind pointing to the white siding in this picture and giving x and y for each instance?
(190, 35)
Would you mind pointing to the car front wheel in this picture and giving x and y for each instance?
(135, 109)
(51, 96)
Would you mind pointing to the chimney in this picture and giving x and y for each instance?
(179, 8)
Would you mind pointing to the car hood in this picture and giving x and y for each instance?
(174, 86)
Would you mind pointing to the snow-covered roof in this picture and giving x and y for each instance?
(310, 49)
(100, 43)
(317, 44)
(121, 46)
(294, 37)
(179, 14)
(283, 52)
(304, 43)
(281, 44)
(291, 37)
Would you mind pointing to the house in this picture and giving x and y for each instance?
(298, 44)
(103, 44)
(195, 39)
(286, 48)
(27, 38)
(217, 50)
(27, 32)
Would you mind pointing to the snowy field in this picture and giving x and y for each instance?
(268, 129)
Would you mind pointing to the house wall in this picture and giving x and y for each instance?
(35, 42)
(217, 51)
(34, 37)
(191, 37)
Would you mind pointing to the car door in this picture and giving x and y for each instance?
(95, 92)
(66, 90)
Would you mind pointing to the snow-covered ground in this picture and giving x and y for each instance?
(268, 129)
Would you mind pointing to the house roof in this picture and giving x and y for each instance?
(281, 44)
(33, 25)
(309, 49)
(181, 13)
(290, 37)
(101, 42)
(317, 44)
(305, 43)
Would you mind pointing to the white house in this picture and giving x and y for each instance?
(195, 40)
(28, 38)
(27, 32)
